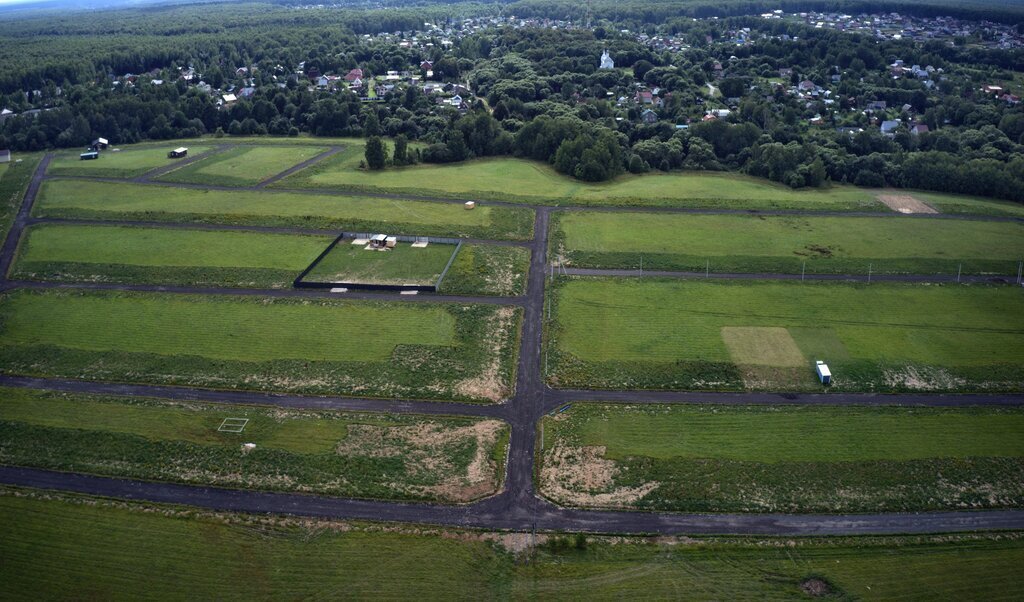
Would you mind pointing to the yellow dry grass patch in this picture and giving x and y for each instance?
(762, 346)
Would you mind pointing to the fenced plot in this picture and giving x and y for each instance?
(358, 261)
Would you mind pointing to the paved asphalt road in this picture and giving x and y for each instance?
(518, 506)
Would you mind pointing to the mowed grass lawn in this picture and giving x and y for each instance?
(129, 254)
(63, 546)
(403, 264)
(243, 165)
(692, 334)
(321, 345)
(789, 458)
(739, 243)
(336, 453)
(531, 181)
(125, 163)
(104, 200)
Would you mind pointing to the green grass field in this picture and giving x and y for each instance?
(785, 459)
(346, 454)
(135, 255)
(692, 334)
(103, 200)
(530, 181)
(403, 264)
(304, 345)
(243, 165)
(127, 163)
(69, 547)
(488, 270)
(14, 180)
(954, 203)
(739, 243)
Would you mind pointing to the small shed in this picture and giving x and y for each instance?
(99, 144)
(89, 155)
(824, 375)
(178, 153)
(5, 156)
(470, 205)
(383, 241)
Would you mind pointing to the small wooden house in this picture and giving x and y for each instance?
(99, 144)
(178, 153)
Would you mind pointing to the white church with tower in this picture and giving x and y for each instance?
(606, 61)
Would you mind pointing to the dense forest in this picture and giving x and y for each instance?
(774, 98)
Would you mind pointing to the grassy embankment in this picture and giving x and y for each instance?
(784, 459)
(324, 346)
(692, 334)
(112, 201)
(367, 455)
(70, 547)
(833, 245)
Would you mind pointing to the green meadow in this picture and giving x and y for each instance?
(534, 182)
(693, 334)
(243, 165)
(334, 453)
(65, 546)
(301, 345)
(138, 255)
(741, 243)
(104, 200)
(785, 459)
(126, 163)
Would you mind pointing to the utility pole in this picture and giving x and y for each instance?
(707, 269)
(1020, 268)
(869, 273)
(803, 270)
(958, 270)
(641, 265)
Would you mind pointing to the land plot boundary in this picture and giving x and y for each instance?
(302, 282)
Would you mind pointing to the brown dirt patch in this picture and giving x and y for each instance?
(815, 587)
(582, 476)
(422, 448)
(904, 203)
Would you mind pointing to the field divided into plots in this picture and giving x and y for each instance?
(243, 165)
(784, 459)
(129, 162)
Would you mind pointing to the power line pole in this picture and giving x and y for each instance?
(869, 273)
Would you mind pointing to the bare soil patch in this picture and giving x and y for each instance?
(582, 476)
(816, 588)
(489, 383)
(904, 203)
(423, 449)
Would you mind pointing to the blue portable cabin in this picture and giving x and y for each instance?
(89, 155)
